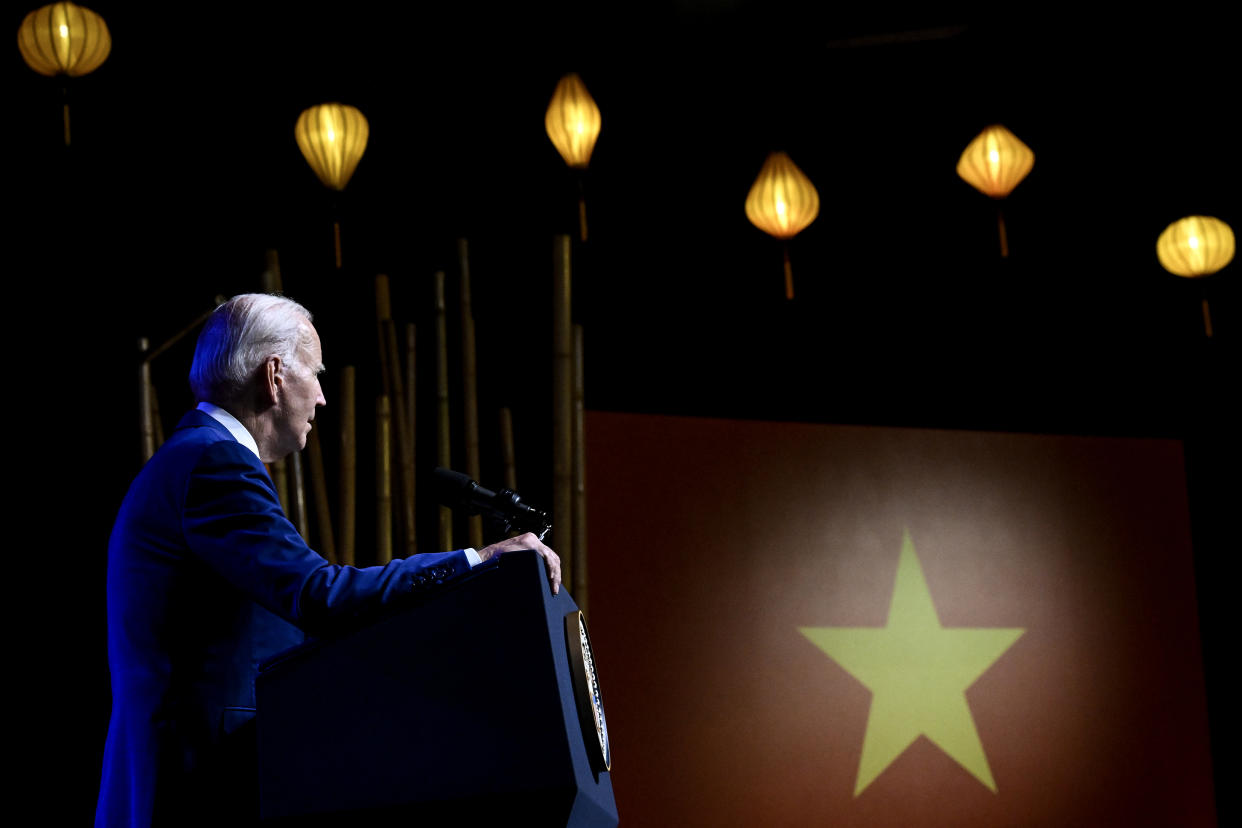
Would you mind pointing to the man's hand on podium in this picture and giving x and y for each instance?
(528, 541)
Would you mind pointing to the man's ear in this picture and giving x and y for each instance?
(274, 378)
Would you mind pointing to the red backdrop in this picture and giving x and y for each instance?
(713, 542)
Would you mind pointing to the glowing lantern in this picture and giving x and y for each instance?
(333, 137)
(64, 39)
(572, 122)
(1196, 246)
(994, 163)
(781, 203)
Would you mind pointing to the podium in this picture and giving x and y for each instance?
(468, 707)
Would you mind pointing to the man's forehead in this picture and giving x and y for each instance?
(312, 347)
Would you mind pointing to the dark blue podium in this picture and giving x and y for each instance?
(467, 707)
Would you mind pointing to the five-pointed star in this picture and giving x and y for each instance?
(917, 672)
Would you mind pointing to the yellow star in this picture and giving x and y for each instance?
(918, 673)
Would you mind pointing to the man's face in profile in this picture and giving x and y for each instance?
(299, 394)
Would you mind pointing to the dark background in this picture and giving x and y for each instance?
(184, 171)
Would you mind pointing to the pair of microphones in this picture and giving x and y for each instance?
(458, 491)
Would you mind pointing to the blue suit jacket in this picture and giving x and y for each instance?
(207, 578)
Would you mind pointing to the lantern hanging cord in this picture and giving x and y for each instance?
(580, 178)
(789, 292)
(64, 97)
(1207, 311)
(335, 207)
(1000, 226)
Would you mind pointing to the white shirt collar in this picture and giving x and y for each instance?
(234, 426)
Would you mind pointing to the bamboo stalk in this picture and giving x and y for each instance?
(390, 369)
(280, 478)
(297, 495)
(579, 553)
(270, 278)
(470, 388)
(349, 465)
(507, 452)
(562, 405)
(383, 313)
(146, 422)
(156, 420)
(411, 375)
(383, 480)
(319, 490)
(151, 428)
(443, 447)
(179, 335)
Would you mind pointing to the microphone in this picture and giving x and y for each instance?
(454, 489)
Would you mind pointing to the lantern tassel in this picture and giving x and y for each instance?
(336, 238)
(788, 275)
(1207, 319)
(1004, 237)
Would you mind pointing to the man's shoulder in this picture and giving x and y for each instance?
(199, 423)
(199, 438)
(198, 428)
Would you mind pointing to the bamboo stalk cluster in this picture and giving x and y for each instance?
(301, 480)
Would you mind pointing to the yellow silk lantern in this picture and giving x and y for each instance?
(781, 203)
(994, 163)
(1196, 246)
(573, 121)
(64, 39)
(332, 137)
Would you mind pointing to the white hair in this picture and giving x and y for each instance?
(238, 338)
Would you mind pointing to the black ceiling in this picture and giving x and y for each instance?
(184, 170)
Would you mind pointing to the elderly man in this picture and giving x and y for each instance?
(207, 577)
